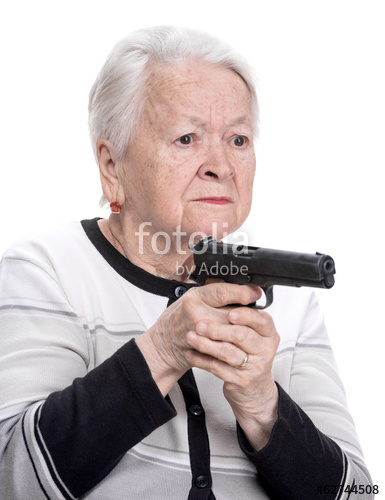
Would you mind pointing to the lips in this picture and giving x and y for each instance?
(216, 200)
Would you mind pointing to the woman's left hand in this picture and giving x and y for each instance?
(250, 389)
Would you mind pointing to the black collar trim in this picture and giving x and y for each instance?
(134, 274)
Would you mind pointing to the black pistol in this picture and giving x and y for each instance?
(264, 267)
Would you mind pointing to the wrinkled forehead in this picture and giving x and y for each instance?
(197, 87)
(176, 76)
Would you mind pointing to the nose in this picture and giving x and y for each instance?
(216, 163)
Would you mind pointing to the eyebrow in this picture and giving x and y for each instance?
(239, 121)
(195, 120)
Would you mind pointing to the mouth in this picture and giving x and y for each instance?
(215, 200)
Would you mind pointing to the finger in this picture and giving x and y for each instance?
(223, 294)
(193, 307)
(258, 320)
(222, 351)
(244, 337)
(215, 366)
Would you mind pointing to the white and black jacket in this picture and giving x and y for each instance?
(81, 416)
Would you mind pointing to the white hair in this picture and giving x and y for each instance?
(118, 94)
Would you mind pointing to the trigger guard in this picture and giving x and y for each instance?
(268, 290)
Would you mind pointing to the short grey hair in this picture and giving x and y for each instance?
(118, 94)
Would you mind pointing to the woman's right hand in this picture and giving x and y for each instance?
(164, 345)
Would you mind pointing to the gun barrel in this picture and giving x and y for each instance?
(261, 266)
(303, 269)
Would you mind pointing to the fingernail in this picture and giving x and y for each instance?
(233, 316)
(191, 338)
(201, 327)
(256, 293)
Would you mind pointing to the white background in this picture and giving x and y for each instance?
(319, 184)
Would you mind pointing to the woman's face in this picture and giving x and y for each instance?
(191, 161)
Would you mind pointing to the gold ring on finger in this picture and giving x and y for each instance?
(244, 362)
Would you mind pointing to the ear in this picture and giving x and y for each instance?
(108, 172)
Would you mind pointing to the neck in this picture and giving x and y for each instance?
(163, 257)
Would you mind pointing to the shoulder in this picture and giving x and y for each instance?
(50, 247)
(53, 237)
(296, 311)
(291, 301)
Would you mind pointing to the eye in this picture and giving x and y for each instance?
(240, 141)
(185, 140)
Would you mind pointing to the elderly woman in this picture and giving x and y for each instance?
(120, 378)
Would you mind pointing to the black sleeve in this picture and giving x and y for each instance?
(86, 429)
(298, 457)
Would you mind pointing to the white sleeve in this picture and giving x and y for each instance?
(43, 348)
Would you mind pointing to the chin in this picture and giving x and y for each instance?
(218, 229)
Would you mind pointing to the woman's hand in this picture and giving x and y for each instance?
(221, 348)
(165, 344)
(200, 329)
